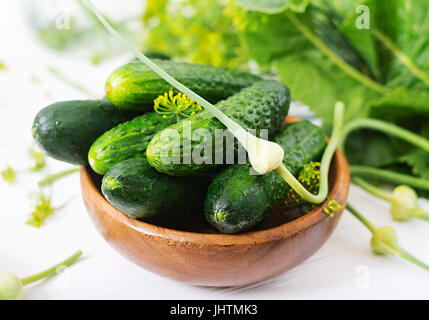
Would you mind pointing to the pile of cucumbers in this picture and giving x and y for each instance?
(123, 139)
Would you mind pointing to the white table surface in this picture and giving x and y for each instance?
(343, 268)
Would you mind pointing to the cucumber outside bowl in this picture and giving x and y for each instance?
(200, 256)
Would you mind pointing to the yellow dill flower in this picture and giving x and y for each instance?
(309, 176)
(41, 211)
(8, 175)
(39, 160)
(180, 106)
(332, 207)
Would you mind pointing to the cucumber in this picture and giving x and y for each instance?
(263, 105)
(65, 130)
(135, 188)
(135, 86)
(125, 141)
(237, 200)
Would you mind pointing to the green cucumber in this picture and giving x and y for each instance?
(125, 141)
(136, 189)
(263, 105)
(65, 130)
(238, 200)
(135, 86)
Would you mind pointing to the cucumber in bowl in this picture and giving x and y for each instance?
(65, 130)
(125, 141)
(263, 105)
(135, 86)
(139, 191)
(237, 200)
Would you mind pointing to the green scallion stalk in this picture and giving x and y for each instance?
(372, 189)
(385, 127)
(390, 176)
(11, 287)
(385, 240)
(51, 271)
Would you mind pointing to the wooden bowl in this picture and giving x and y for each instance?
(213, 259)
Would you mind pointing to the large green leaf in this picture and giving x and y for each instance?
(362, 39)
(370, 148)
(407, 108)
(406, 24)
(273, 40)
(403, 106)
(317, 82)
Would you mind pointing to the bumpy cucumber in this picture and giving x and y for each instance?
(237, 200)
(135, 86)
(263, 105)
(65, 130)
(135, 188)
(125, 141)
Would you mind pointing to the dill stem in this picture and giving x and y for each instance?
(49, 179)
(400, 252)
(317, 42)
(53, 270)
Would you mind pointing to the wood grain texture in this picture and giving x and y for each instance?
(214, 259)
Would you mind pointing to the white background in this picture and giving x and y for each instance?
(344, 268)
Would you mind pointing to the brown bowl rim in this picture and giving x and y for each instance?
(282, 231)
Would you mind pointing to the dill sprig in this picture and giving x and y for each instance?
(180, 106)
(42, 210)
(8, 175)
(332, 207)
(309, 177)
(39, 160)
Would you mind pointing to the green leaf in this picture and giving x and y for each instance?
(274, 6)
(405, 107)
(370, 148)
(314, 79)
(317, 82)
(362, 39)
(418, 161)
(406, 25)
(269, 38)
